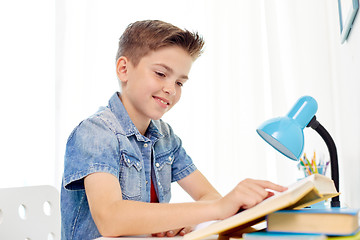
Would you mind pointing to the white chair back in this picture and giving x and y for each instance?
(30, 213)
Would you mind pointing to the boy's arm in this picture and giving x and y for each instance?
(114, 216)
(198, 187)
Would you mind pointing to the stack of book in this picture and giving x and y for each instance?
(282, 236)
(331, 221)
(311, 224)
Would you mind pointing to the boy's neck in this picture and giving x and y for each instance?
(141, 126)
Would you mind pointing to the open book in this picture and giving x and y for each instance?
(310, 190)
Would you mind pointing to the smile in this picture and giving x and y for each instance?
(162, 102)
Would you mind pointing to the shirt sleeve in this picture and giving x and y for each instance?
(92, 147)
(182, 165)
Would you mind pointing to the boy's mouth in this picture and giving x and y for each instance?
(161, 100)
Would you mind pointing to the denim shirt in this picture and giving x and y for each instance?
(109, 142)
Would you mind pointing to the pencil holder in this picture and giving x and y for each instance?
(313, 166)
(307, 172)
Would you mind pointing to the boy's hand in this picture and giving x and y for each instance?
(173, 233)
(246, 194)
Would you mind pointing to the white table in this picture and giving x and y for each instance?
(213, 237)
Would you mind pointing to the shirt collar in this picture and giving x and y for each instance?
(153, 130)
(128, 127)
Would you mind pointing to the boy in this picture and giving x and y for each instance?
(120, 162)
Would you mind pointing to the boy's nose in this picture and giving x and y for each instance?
(169, 90)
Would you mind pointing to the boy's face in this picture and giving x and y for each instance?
(153, 87)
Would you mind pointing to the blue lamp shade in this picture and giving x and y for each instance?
(286, 134)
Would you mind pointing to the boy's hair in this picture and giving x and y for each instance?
(141, 37)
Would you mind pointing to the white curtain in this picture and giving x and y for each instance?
(260, 57)
(27, 92)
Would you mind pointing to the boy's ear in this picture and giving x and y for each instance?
(122, 65)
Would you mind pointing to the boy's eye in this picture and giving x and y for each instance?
(160, 74)
(180, 84)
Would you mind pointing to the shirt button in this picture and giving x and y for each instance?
(147, 182)
(145, 145)
(157, 164)
(159, 183)
(128, 160)
(137, 164)
(170, 158)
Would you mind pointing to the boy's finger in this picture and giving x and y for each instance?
(161, 234)
(172, 233)
(271, 185)
(185, 230)
(270, 194)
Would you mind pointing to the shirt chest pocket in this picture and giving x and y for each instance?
(164, 161)
(130, 177)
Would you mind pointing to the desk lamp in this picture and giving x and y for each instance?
(286, 135)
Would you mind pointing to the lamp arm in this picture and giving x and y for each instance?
(314, 124)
